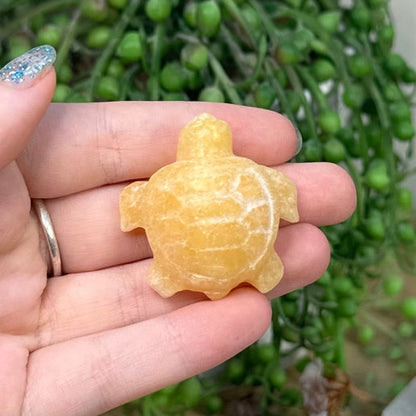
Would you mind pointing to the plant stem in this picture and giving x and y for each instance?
(224, 80)
(363, 140)
(310, 21)
(235, 51)
(126, 81)
(267, 22)
(43, 8)
(282, 315)
(313, 87)
(234, 10)
(340, 344)
(280, 92)
(259, 64)
(156, 60)
(221, 76)
(67, 41)
(107, 53)
(334, 49)
(4, 8)
(298, 87)
(356, 175)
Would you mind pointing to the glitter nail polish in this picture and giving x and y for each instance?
(26, 69)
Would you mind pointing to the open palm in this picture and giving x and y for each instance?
(98, 335)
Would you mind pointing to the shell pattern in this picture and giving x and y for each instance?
(211, 217)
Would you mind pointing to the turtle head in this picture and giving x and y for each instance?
(205, 136)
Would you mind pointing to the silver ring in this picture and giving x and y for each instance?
(55, 268)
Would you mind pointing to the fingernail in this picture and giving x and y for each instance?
(28, 68)
(299, 141)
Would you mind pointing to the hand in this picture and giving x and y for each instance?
(98, 336)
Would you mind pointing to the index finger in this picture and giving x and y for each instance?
(83, 146)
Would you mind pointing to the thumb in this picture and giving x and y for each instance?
(27, 85)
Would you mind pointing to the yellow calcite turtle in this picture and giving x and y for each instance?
(211, 217)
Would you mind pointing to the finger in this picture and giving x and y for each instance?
(305, 254)
(14, 207)
(21, 265)
(22, 105)
(108, 369)
(81, 304)
(89, 222)
(326, 192)
(13, 360)
(81, 146)
(20, 111)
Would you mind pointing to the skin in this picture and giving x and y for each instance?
(91, 339)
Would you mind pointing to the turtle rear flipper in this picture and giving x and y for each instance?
(270, 275)
(162, 281)
(130, 210)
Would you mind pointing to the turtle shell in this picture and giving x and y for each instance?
(211, 223)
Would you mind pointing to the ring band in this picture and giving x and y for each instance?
(55, 268)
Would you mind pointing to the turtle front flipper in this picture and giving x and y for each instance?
(130, 201)
(285, 195)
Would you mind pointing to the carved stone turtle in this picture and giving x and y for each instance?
(211, 217)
